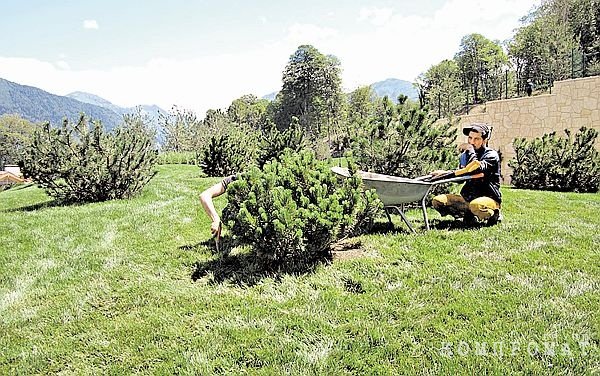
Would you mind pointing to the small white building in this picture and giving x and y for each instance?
(11, 175)
(13, 169)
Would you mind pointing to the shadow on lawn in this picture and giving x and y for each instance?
(16, 187)
(453, 224)
(381, 228)
(400, 228)
(242, 269)
(34, 207)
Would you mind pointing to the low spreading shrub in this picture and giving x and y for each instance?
(557, 163)
(295, 207)
(83, 163)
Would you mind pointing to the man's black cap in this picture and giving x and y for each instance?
(482, 128)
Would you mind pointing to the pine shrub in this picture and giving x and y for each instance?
(557, 163)
(274, 142)
(83, 163)
(407, 144)
(295, 207)
(225, 155)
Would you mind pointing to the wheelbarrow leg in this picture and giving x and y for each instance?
(403, 217)
(388, 216)
(425, 213)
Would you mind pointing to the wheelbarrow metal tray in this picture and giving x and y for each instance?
(394, 190)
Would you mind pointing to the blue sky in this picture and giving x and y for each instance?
(204, 54)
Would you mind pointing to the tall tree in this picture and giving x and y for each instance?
(311, 91)
(180, 128)
(482, 63)
(360, 105)
(442, 85)
(541, 49)
(359, 110)
(249, 110)
(583, 20)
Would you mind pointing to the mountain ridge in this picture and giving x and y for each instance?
(82, 96)
(393, 87)
(37, 105)
(390, 87)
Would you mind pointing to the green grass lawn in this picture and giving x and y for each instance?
(135, 286)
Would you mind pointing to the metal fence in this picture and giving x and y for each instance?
(513, 86)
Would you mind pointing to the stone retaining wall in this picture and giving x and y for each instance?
(573, 104)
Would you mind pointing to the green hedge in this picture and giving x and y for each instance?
(557, 163)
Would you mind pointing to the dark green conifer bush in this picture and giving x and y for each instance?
(408, 143)
(226, 154)
(274, 142)
(556, 163)
(82, 163)
(295, 207)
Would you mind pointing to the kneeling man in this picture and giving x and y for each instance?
(479, 199)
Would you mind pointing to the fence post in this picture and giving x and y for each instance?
(572, 63)
(506, 84)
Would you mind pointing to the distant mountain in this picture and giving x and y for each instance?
(37, 105)
(270, 96)
(393, 87)
(95, 100)
(150, 110)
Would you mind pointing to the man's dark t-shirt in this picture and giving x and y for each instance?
(489, 185)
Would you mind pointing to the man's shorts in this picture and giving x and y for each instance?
(228, 181)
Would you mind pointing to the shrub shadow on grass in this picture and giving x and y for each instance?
(225, 245)
(453, 224)
(243, 268)
(38, 206)
(16, 187)
(435, 224)
(389, 228)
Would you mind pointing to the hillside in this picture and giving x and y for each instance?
(37, 105)
(151, 111)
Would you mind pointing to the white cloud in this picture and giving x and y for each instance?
(310, 34)
(405, 46)
(62, 65)
(90, 24)
(377, 16)
(197, 84)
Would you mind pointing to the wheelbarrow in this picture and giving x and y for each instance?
(396, 191)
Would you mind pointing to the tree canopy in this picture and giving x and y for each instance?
(311, 91)
(15, 133)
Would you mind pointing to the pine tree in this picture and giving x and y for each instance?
(81, 163)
